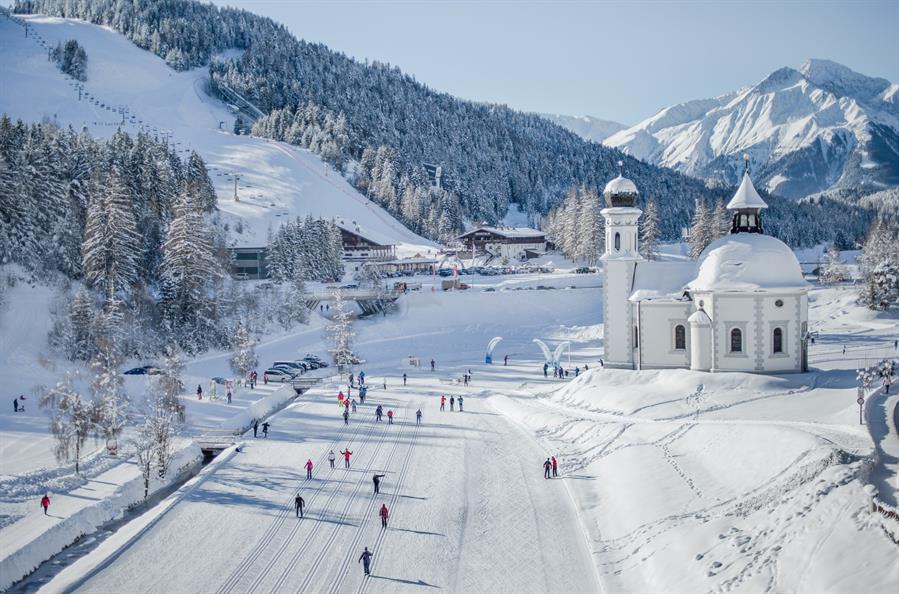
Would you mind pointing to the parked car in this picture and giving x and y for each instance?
(292, 366)
(445, 272)
(279, 375)
(584, 270)
(315, 361)
(144, 370)
(220, 380)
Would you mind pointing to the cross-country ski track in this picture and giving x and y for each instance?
(469, 508)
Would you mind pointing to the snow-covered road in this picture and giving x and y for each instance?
(470, 509)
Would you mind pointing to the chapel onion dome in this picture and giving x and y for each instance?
(621, 192)
(747, 207)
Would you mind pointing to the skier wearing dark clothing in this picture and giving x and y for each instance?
(418, 417)
(346, 417)
(366, 560)
(265, 427)
(378, 412)
(199, 392)
(384, 515)
(376, 479)
(300, 503)
(452, 403)
(433, 363)
(555, 466)
(545, 370)
(460, 404)
(255, 428)
(15, 404)
(404, 379)
(547, 468)
(505, 360)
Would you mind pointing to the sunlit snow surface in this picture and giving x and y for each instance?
(276, 181)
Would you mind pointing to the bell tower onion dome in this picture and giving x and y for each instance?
(621, 192)
(747, 206)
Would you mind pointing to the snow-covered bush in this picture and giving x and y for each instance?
(879, 264)
(71, 59)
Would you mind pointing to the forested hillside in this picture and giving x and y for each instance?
(375, 114)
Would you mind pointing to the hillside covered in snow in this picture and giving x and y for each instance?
(130, 89)
(821, 126)
(586, 126)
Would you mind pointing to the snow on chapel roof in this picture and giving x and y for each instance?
(661, 281)
(746, 196)
(751, 262)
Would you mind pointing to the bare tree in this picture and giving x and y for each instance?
(71, 419)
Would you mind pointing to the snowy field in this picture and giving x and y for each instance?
(650, 498)
(277, 182)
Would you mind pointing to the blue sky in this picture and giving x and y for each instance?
(614, 60)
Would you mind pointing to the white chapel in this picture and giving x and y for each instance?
(742, 306)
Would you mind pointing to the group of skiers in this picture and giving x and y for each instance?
(18, 403)
(561, 373)
(452, 402)
(550, 468)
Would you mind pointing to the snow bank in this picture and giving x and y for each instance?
(18, 563)
(261, 409)
(748, 262)
(75, 574)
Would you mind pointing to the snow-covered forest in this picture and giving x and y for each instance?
(130, 233)
(491, 155)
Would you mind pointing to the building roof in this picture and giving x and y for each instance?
(661, 281)
(700, 318)
(748, 262)
(620, 185)
(746, 196)
(508, 232)
(406, 261)
(376, 239)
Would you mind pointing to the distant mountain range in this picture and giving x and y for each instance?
(587, 127)
(821, 127)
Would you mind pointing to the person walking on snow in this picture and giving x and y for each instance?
(376, 479)
(378, 412)
(887, 380)
(255, 428)
(199, 392)
(265, 427)
(351, 379)
(452, 403)
(505, 360)
(460, 404)
(418, 417)
(309, 467)
(366, 561)
(229, 395)
(264, 378)
(45, 503)
(340, 398)
(331, 458)
(346, 417)
(15, 404)
(300, 503)
(404, 379)
(390, 417)
(346, 457)
(384, 515)
(432, 364)
(353, 403)
(442, 403)
(547, 468)
(545, 370)
(555, 466)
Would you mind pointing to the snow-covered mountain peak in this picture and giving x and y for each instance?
(842, 81)
(819, 127)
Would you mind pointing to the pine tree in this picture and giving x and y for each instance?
(111, 248)
(879, 264)
(243, 353)
(701, 231)
(833, 270)
(721, 220)
(649, 232)
(81, 323)
(71, 419)
(198, 184)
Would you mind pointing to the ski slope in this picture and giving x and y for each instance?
(276, 181)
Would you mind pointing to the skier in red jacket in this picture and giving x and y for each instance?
(346, 457)
(45, 503)
(309, 466)
(555, 466)
(384, 515)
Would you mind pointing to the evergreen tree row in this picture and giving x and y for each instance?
(492, 156)
(576, 228)
(305, 250)
(71, 59)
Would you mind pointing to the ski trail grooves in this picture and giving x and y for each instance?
(246, 564)
(323, 553)
(344, 565)
(382, 536)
